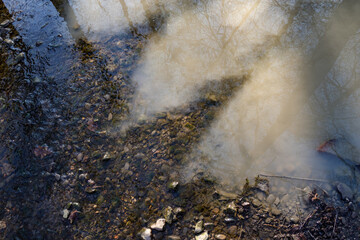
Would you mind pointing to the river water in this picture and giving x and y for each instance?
(118, 97)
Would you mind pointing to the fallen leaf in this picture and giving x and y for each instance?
(42, 151)
(91, 125)
(73, 215)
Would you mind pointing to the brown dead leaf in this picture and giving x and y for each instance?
(91, 125)
(42, 151)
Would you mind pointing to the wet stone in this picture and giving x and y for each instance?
(199, 227)
(178, 212)
(232, 230)
(306, 194)
(263, 186)
(294, 219)
(76, 26)
(66, 213)
(2, 225)
(126, 166)
(285, 199)
(209, 226)
(173, 237)
(159, 225)
(87, 105)
(345, 191)
(215, 211)
(80, 156)
(5, 23)
(168, 214)
(256, 202)
(57, 176)
(173, 185)
(145, 234)
(270, 199)
(230, 208)
(9, 42)
(220, 236)
(108, 156)
(203, 236)
(83, 176)
(275, 211)
(90, 190)
(73, 205)
(20, 57)
(229, 220)
(107, 96)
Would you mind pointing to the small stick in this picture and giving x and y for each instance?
(269, 225)
(311, 235)
(241, 231)
(333, 232)
(307, 218)
(294, 178)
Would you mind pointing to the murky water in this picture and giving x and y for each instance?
(133, 91)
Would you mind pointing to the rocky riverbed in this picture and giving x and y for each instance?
(69, 172)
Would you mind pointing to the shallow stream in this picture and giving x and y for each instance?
(109, 103)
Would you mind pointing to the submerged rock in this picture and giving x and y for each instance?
(159, 225)
(294, 219)
(203, 236)
(220, 236)
(173, 237)
(345, 191)
(256, 202)
(199, 227)
(178, 212)
(229, 220)
(168, 215)
(145, 233)
(66, 213)
(270, 199)
(232, 230)
(173, 185)
(275, 211)
(2, 225)
(230, 208)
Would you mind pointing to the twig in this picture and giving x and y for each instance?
(295, 178)
(333, 232)
(323, 190)
(269, 225)
(307, 218)
(241, 231)
(311, 235)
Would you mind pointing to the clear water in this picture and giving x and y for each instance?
(298, 76)
(287, 105)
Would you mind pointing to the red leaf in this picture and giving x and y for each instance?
(91, 125)
(327, 146)
(42, 151)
